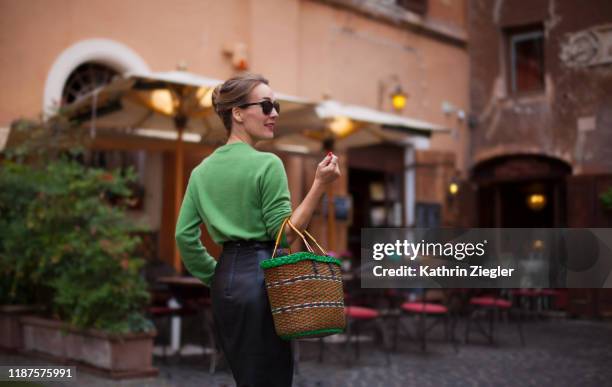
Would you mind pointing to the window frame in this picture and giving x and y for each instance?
(513, 37)
(92, 71)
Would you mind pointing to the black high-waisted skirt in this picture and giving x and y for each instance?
(244, 325)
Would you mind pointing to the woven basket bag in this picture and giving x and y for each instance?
(305, 291)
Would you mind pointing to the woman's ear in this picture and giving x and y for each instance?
(237, 114)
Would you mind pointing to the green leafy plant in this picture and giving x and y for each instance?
(68, 246)
(19, 283)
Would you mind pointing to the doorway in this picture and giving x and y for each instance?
(377, 202)
(522, 191)
(532, 203)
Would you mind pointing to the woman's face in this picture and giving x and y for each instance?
(258, 125)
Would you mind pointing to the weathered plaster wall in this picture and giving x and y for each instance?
(570, 120)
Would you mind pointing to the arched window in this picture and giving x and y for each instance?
(81, 81)
(84, 79)
(105, 52)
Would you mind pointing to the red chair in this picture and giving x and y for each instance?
(358, 317)
(550, 298)
(426, 308)
(528, 300)
(491, 306)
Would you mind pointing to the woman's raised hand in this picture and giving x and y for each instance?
(328, 169)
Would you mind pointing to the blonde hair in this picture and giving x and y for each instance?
(232, 93)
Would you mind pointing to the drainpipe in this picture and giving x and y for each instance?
(409, 185)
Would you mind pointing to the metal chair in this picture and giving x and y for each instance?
(360, 315)
(427, 311)
(490, 305)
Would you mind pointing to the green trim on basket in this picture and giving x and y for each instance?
(297, 257)
(330, 331)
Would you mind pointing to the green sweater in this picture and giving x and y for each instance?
(239, 193)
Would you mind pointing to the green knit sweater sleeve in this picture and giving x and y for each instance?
(275, 198)
(195, 256)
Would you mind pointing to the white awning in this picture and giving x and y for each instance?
(120, 106)
(349, 126)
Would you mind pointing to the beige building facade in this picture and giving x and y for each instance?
(355, 52)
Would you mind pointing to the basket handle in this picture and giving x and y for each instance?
(315, 241)
(308, 246)
(279, 236)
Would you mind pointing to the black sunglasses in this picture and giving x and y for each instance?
(266, 106)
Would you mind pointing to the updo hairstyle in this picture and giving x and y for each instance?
(232, 93)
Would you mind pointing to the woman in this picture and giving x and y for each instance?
(242, 197)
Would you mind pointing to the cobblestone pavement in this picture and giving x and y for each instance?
(557, 353)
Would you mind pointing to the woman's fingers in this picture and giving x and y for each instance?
(333, 168)
(328, 169)
(326, 160)
(337, 169)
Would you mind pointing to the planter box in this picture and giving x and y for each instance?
(112, 355)
(11, 337)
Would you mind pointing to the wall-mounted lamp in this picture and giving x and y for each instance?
(536, 201)
(538, 244)
(399, 98)
(453, 188)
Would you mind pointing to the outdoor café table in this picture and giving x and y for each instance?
(183, 282)
(185, 290)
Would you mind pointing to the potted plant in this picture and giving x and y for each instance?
(78, 246)
(20, 288)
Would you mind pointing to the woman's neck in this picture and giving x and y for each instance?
(239, 136)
